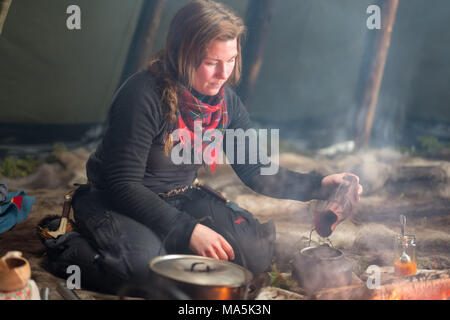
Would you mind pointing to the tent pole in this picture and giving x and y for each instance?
(4, 7)
(154, 22)
(378, 59)
(257, 19)
(141, 46)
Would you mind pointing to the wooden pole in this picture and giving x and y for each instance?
(154, 22)
(141, 46)
(257, 19)
(4, 7)
(369, 99)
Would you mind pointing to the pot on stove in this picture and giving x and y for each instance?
(319, 267)
(200, 278)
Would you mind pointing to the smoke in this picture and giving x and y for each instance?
(394, 184)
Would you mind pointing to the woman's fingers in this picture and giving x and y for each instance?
(220, 252)
(208, 243)
(223, 249)
(333, 180)
(360, 188)
(346, 181)
(211, 253)
(228, 248)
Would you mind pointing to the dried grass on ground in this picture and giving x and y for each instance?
(394, 184)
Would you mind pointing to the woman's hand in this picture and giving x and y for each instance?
(329, 183)
(208, 243)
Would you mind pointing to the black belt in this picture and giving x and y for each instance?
(195, 184)
(174, 192)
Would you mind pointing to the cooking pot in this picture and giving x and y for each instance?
(200, 278)
(320, 267)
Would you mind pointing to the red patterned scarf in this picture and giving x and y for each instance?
(212, 114)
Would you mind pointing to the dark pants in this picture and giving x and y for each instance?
(124, 246)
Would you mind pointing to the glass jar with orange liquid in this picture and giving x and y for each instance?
(405, 267)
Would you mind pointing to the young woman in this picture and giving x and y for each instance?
(139, 203)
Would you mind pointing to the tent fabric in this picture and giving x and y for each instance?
(53, 75)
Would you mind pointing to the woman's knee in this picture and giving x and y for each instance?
(125, 245)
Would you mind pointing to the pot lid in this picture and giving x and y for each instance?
(200, 270)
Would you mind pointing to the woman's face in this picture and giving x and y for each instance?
(216, 67)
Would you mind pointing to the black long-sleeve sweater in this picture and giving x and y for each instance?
(131, 166)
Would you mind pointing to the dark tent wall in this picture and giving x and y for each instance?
(415, 96)
(312, 59)
(311, 67)
(310, 78)
(57, 84)
(61, 81)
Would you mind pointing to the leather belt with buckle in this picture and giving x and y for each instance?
(174, 192)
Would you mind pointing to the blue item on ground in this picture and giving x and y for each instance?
(14, 209)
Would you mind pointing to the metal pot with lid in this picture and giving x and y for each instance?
(320, 267)
(202, 278)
